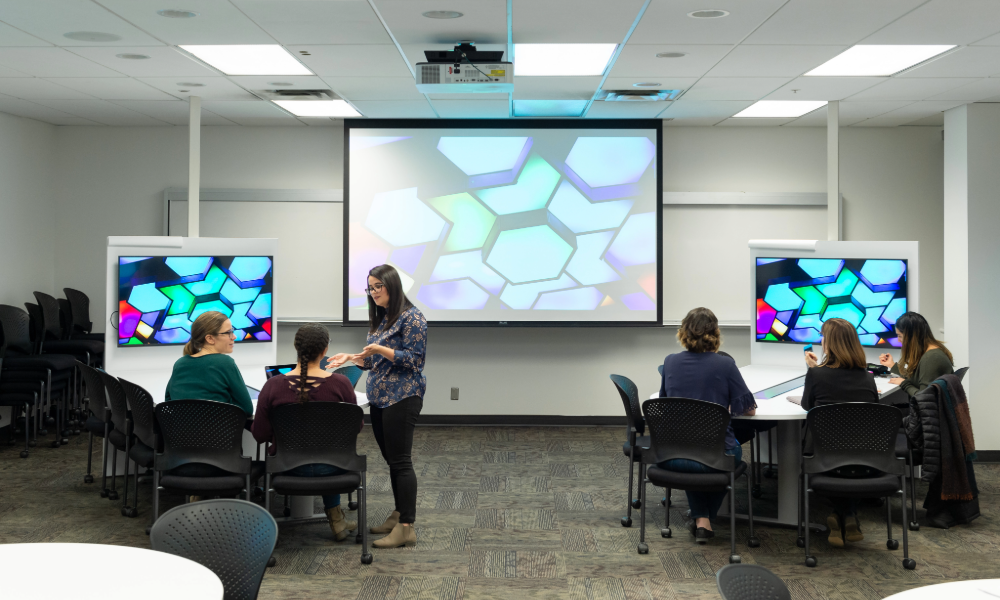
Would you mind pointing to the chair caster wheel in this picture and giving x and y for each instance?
(55, 444)
(358, 538)
(24, 454)
(287, 512)
(637, 504)
(626, 521)
(892, 544)
(665, 502)
(753, 543)
(353, 505)
(64, 441)
(909, 564)
(665, 532)
(366, 559)
(104, 493)
(810, 561)
(734, 559)
(112, 495)
(148, 528)
(131, 512)
(914, 526)
(50, 421)
(271, 562)
(88, 479)
(643, 549)
(755, 492)
(800, 542)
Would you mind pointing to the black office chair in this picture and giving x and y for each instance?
(750, 582)
(849, 434)
(142, 438)
(635, 442)
(201, 432)
(321, 433)
(351, 372)
(98, 423)
(53, 340)
(64, 384)
(16, 401)
(233, 538)
(120, 436)
(80, 324)
(695, 430)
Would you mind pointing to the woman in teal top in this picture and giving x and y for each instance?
(206, 371)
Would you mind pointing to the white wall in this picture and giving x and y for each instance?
(27, 210)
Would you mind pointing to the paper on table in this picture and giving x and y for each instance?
(794, 399)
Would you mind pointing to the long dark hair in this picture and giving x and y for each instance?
(398, 302)
(916, 336)
(311, 340)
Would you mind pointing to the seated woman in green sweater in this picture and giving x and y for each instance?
(923, 360)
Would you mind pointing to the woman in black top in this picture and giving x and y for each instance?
(842, 376)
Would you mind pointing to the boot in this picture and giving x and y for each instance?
(400, 536)
(390, 523)
(339, 525)
(852, 531)
(836, 538)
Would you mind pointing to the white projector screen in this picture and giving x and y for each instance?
(507, 223)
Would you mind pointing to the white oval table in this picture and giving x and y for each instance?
(974, 589)
(96, 571)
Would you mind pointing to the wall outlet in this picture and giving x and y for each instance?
(454, 393)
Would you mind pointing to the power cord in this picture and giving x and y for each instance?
(474, 66)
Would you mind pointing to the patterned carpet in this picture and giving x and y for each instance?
(515, 512)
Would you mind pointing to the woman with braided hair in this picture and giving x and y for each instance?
(307, 383)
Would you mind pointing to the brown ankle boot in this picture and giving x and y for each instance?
(390, 522)
(339, 524)
(401, 535)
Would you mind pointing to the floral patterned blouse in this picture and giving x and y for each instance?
(392, 381)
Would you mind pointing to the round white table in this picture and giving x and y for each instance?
(974, 589)
(96, 571)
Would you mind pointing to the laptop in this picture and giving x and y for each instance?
(274, 370)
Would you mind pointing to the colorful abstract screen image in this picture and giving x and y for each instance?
(796, 295)
(502, 226)
(159, 297)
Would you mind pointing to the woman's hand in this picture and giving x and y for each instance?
(337, 360)
(811, 359)
(897, 380)
(886, 360)
(358, 360)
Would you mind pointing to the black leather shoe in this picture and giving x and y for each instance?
(702, 535)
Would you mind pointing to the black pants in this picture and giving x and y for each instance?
(393, 429)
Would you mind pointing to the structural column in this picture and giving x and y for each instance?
(833, 215)
(194, 167)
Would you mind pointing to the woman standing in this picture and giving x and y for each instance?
(394, 357)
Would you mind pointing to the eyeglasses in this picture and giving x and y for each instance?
(231, 333)
(377, 287)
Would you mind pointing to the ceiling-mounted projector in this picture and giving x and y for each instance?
(464, 70)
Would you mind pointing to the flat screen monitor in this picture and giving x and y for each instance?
(159, 297)
(534, 222)
(794, 296)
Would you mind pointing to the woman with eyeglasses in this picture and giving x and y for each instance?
(394, 359)
(206, 371)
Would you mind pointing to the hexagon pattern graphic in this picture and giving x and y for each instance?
(795, 298)
(412, 222)
(529, 254)
(160, 297)
(604, 161)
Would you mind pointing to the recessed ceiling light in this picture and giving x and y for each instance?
(318, 108)
(708, 14)
(132, 56)
(190, 84)
(92, 36)
(646, 84)
(780, 108)
(875, 61)
(173, 13)
(442, 14)
(549, 108)
(562, 59)
(249, 60)
(671, 55)
(280, 83)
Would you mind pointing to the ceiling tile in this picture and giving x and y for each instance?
(625, 110)
(217, 22)
(734, 88)
(395, 109)
(31, 110)
(686, 108)
(375, 88)
(850, 113)
(31, 88)
(259, 113)
(773, 61)
(556, 88)
(972, 92)
(50, 19)
(259, 83)
(823, 88)
(639, 60)
(116, 88)
(582, 22)
(415, 52)
(322, 121)
(102, 112)
(690, 122)
(935, 120)
(472, 109)
(481, 22)
(12, 36)
(971, 61)
(163, 61)
(942, 22)
(353, 61)
(754, 122)
(52, 62)
(913, 89)
(838, 22)
(907, 114)
(666, 83)
(503, 97)
(311, 22)
(668, 20)
(212, 88)
(175, 112)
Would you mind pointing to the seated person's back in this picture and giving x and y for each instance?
(842, 376)
(287, 389)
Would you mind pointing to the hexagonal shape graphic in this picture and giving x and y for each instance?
(883, 275)
(250, 270)
(453, 295)
(188, 266)
(210, 285)
(477, 155)
(400, 218)
(781, 298)
(204, 307)
(146, 298)
(820, 268)
(604, 161)
(635, 243)
(529, 254)
(847, 311)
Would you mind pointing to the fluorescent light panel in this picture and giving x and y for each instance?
(318, 108)
(249, 60)
(776, 109)
(555, 60)
(876, 61)
(549, 108)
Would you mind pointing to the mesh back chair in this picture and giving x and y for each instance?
(142, 439)
(64, 383)
(16, 400)
(635, 442)
(201, 432)
(98, 423)
(351, 372)
(52, 337)
(848, 434)
(79, 309)
(120, 436)
(749, 431)
(232, 538)
(695, 430)
(319, 433)
(750, 582)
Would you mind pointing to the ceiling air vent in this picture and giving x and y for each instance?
(638, 95)
(289, 94)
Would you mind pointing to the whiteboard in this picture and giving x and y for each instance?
(310, 248)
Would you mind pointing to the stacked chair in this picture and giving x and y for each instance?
(98, 422)
(16, 400)
(142, 438)
(80, 326)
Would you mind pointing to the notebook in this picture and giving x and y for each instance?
(794, 399)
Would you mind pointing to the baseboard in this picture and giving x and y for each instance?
(988, 456)
(518, 420)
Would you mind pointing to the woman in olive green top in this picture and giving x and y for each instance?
(206, 371)
(923, 360)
